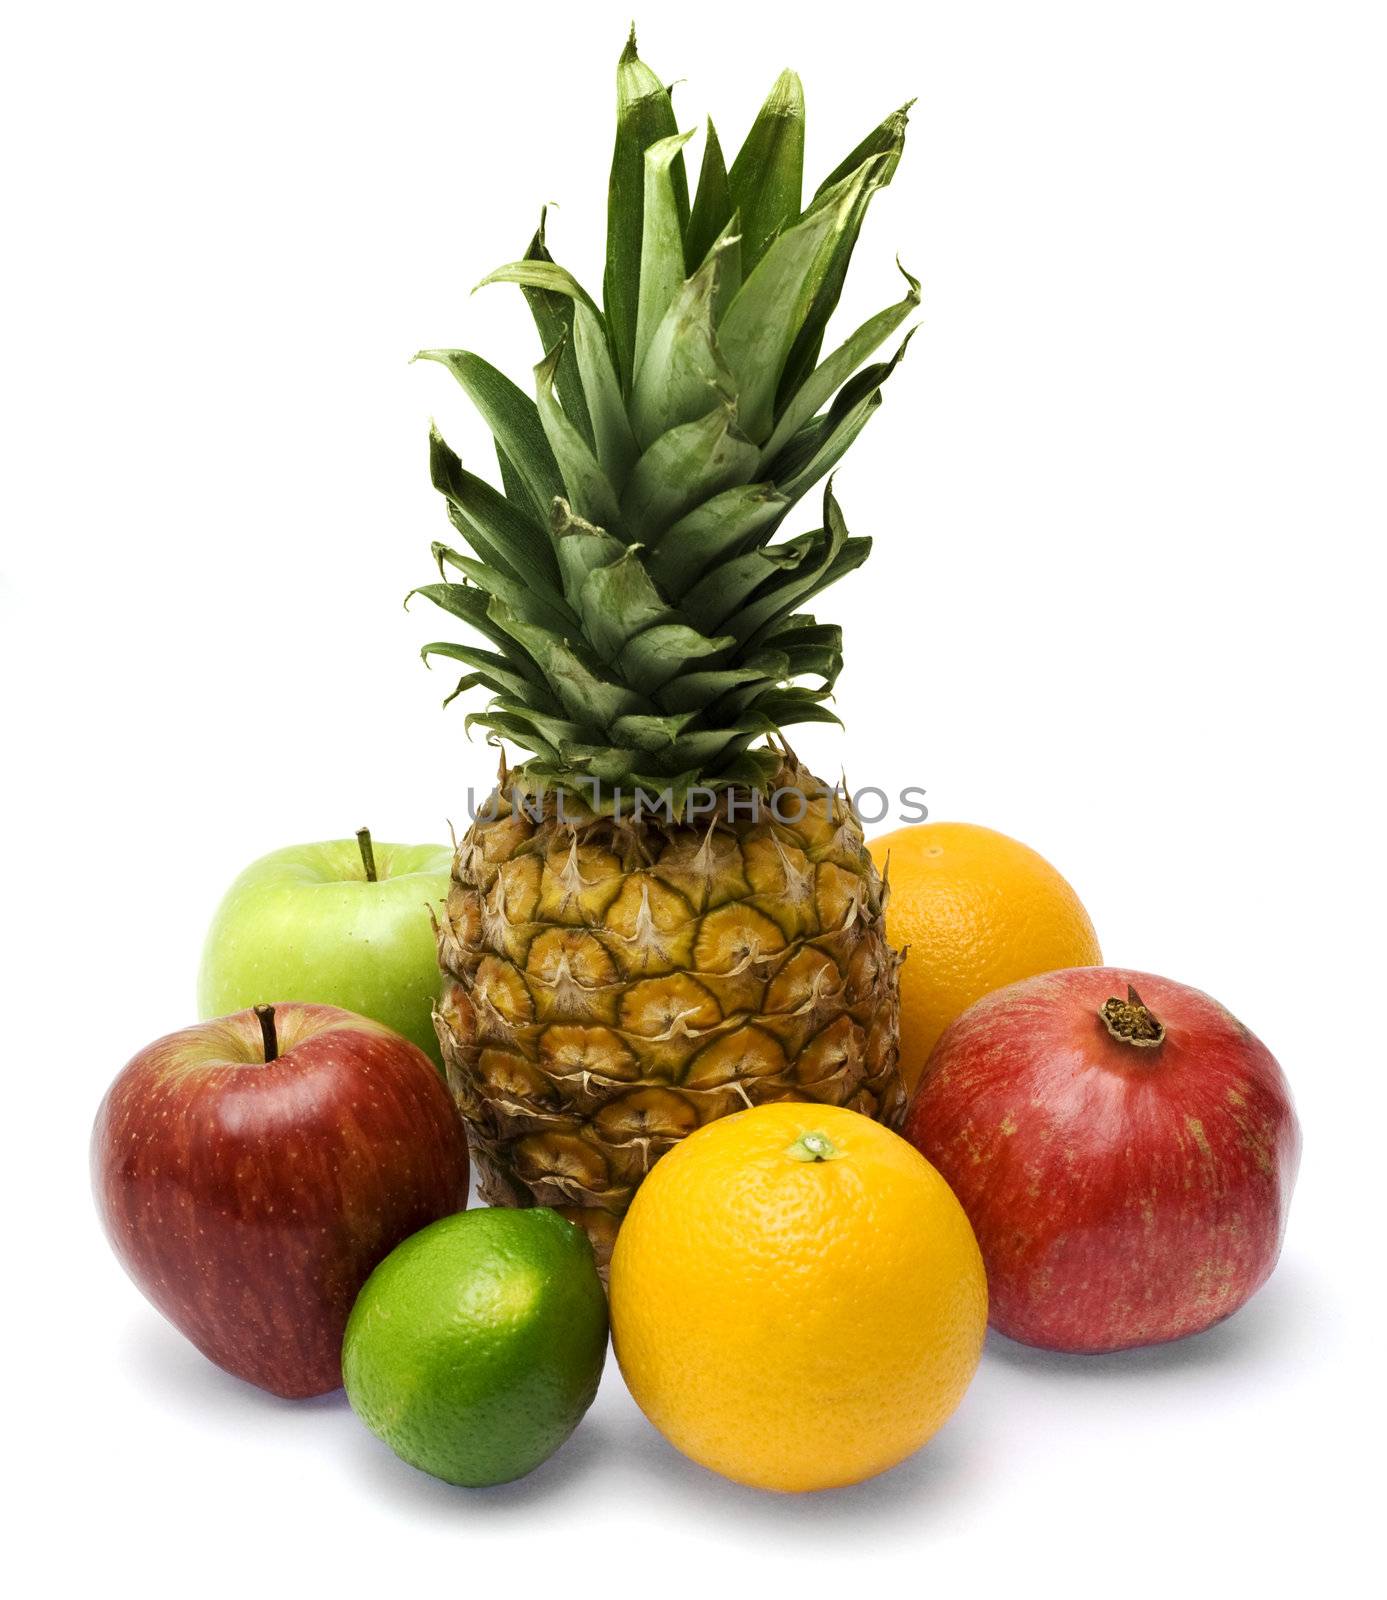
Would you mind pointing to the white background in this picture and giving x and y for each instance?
(1125, 603)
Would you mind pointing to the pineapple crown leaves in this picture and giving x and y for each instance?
(643, 623)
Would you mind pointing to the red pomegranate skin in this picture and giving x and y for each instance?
(1121, 1195)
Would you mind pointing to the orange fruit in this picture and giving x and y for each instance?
(976, 910)
(797, 1299)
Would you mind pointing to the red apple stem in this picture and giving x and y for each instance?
(1132, 1022)
(368, 855)
(266, 1014)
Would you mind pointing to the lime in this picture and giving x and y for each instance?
(477, 1345)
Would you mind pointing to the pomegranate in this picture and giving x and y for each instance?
(1124, 1148)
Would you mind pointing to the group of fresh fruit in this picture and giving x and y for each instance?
(674, 1023)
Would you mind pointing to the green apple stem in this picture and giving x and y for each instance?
(266, 1014)
(368, 855)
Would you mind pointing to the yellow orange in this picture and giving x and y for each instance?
(976, 910)
(798, 1301)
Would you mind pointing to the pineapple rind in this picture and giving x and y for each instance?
(612, 985)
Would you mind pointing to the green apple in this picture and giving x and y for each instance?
(343, 923)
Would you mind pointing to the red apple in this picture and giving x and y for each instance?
(252, 1171)
(1124, 1148)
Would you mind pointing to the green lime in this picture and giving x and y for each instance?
(477, 1345)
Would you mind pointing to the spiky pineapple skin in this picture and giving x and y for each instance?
(610, 985)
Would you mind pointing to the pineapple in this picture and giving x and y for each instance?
(660, 917)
